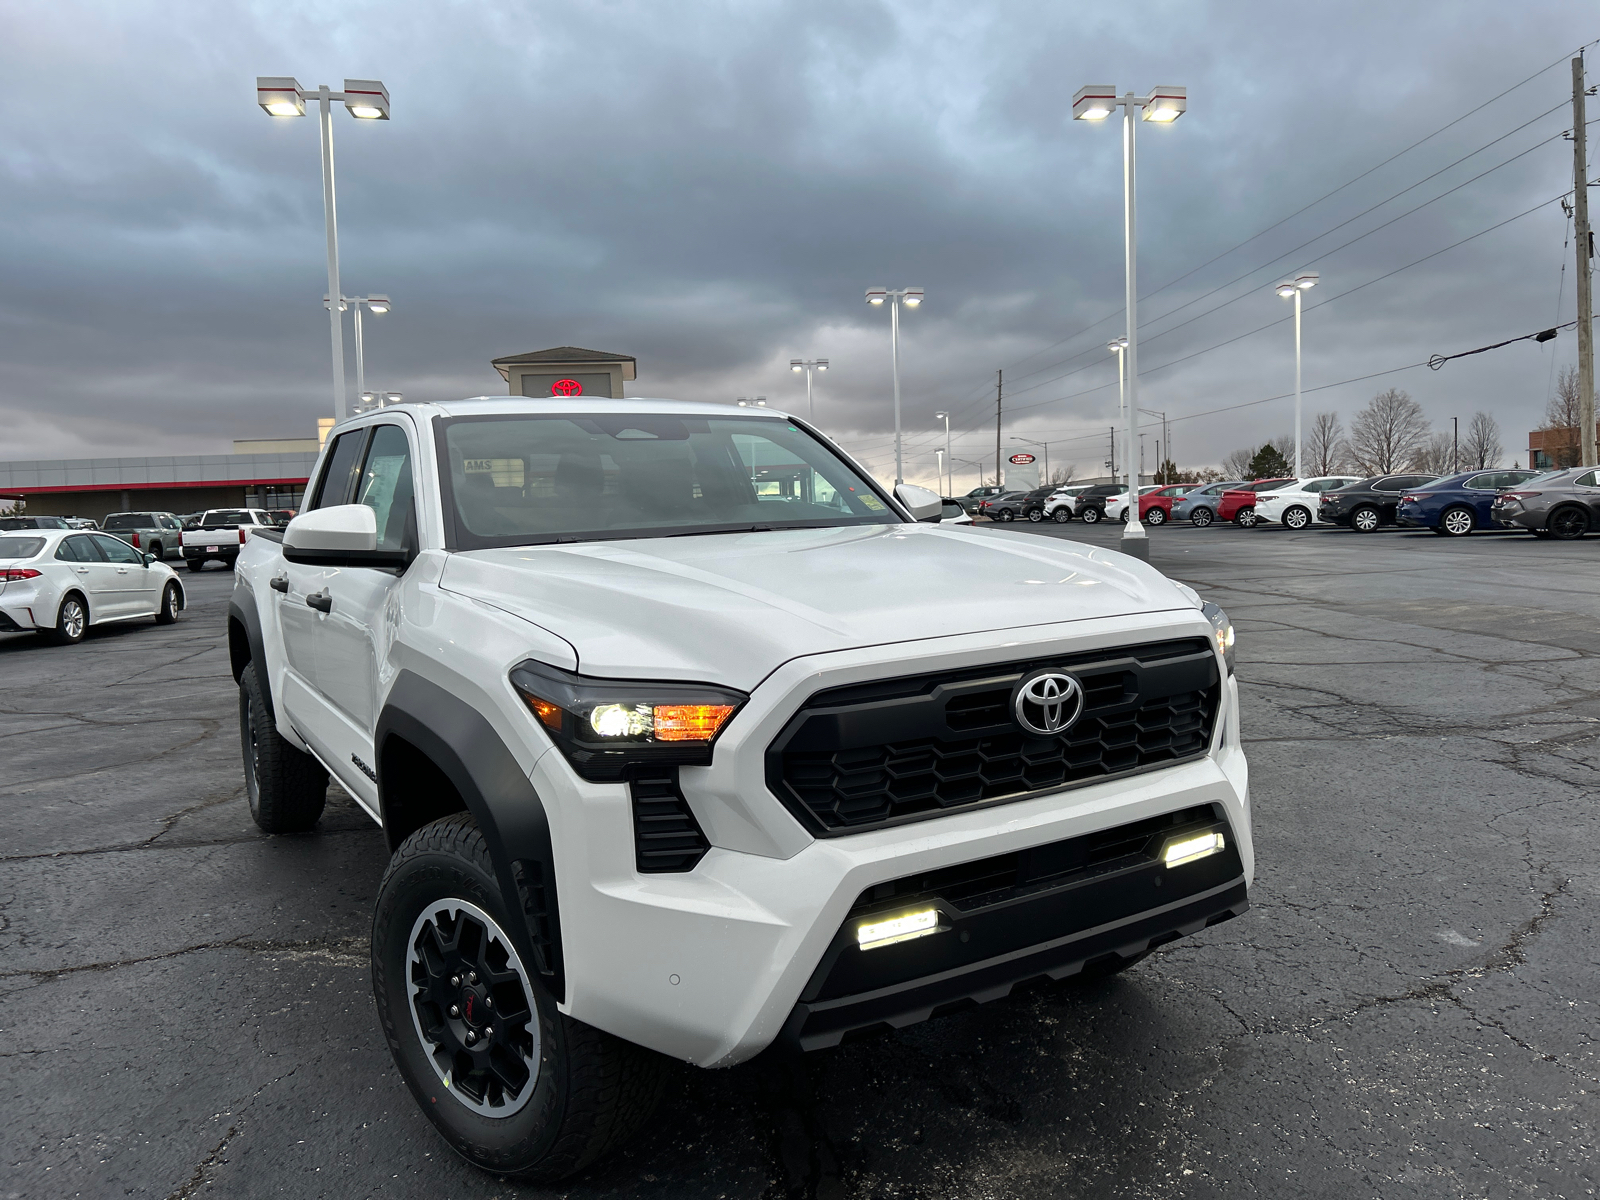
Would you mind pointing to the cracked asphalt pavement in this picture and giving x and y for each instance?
(1409, 1009)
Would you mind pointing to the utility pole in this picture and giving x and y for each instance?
(1585, 240)
(1113, 463)
(1455, 445)
(999, 394)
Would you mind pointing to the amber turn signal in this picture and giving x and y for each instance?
(689, 722)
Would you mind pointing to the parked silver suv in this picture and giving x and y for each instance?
(1563, 504)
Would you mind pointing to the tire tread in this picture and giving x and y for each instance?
(291, 786)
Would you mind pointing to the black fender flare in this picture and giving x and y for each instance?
(462, 744)
(252, 649)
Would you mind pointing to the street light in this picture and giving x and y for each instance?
(910, 297)
(1163, 106)
(940, 452)
(364, 99)
(1117, 346)
(1292, 289)
(808, 365)
(951, 481)
(376, 304)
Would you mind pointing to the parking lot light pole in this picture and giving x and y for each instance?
(364, 99)
(1163, 106)
(945, 417)
(808, 365)
(1046, 445)
(910, 297)
(1293, 288)
(1117, 346)
(377, 304)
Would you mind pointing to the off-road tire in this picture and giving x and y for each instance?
(1202, 517)
(286, 787)
(171, 605)
(593, 1091)
(72, 620)
(197, 565)
(1297, 516)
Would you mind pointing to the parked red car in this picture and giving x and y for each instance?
(1239, 504)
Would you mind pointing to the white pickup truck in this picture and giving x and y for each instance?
(688, 738)
(220, 533)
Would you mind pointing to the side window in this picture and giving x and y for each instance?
(339, 477)
(1590, 479)
(386, 486)
(1482, 483)
(115, 549)
(67, 551)
(1394, 483)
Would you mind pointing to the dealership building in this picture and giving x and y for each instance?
(262, 473)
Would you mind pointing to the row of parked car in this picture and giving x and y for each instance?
(1562, 504)
(157, 533)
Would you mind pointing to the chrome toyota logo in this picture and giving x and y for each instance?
(1048, 703)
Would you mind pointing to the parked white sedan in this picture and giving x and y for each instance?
(60, 581)
(1295, 504)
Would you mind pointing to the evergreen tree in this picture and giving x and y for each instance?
(1268, 463)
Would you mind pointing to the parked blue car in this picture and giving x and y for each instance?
(1200, 505)
(1457, 504)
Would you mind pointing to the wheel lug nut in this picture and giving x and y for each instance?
(471, 1037)
(455, 1010)
(455, 981)
(488, 1031)
(488, 1001)
(472, 977)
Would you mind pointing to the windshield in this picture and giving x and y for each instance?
(128, 521)
(532, 478)
(20, 547)
(227, 516)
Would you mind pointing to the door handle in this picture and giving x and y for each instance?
(280, 584)
(320, 601)
(122, 570)
(83, 570)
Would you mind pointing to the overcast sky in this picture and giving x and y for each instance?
(711, 186)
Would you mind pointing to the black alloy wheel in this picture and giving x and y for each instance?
(1202, 516)
(1156, 516)
(1456, 522)
(1568, 523)
(171, 603)
(1365, 519)
(1061, 515)
(513, 1085)
(1091, 515)
(71, 620)
(1297, 516)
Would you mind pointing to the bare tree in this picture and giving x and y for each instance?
(1325, 446)
(1482, 445)
(1387, 432)
(1561, 420)
(1435, 456)
(1237, 464)
(1062, 476)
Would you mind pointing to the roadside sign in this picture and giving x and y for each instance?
(1021, 460)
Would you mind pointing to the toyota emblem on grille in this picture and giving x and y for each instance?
(1048, 703)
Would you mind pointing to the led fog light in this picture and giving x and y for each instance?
(872, 934)
(1187, 850)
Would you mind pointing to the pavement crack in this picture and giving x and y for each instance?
(333, 948)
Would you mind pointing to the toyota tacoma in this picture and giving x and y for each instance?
(688, 738)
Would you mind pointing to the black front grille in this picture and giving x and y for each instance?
(869, 755)
(666, 837)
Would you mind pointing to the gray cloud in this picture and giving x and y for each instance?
(711, 186)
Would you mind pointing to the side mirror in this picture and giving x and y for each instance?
(148, 559)
(920, 502)
(345, 535)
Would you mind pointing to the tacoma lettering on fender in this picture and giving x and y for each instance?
(688, 738)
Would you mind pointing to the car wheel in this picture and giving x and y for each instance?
(1245, 518)
(171, 603)
(1297, 517)
(1156, 516)
(72, 618)
(1569, 523)
(1061, 516)
(1202, 517)
(197, 565)
(155, 548)
(1091, 515)
(1457, 522)
(1036, 515)
(286, 787)
(514, 1086)
(1365, 519)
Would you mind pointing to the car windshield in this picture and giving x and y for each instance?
(128, 521)
(535, 478)
(20, 547)
(227, 516)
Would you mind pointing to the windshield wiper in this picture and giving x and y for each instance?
(730, 529)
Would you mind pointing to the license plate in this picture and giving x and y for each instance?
(211, 549)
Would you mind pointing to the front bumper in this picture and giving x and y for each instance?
(710, 965)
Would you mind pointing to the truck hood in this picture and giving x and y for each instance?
(731, 608)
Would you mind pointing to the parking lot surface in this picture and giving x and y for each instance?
(1408, 1010)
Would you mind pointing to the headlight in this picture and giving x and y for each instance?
(605, 726)
(1222, 629)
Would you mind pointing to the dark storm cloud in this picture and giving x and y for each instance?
(711, 186)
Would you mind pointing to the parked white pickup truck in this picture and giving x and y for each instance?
(687, 737)
(220, 533)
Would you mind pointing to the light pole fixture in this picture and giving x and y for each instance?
(948, 458)
(364, 99)
(808, 365)
(910, 297)
(1163, 106)
(1291, 289)
(375, 304)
